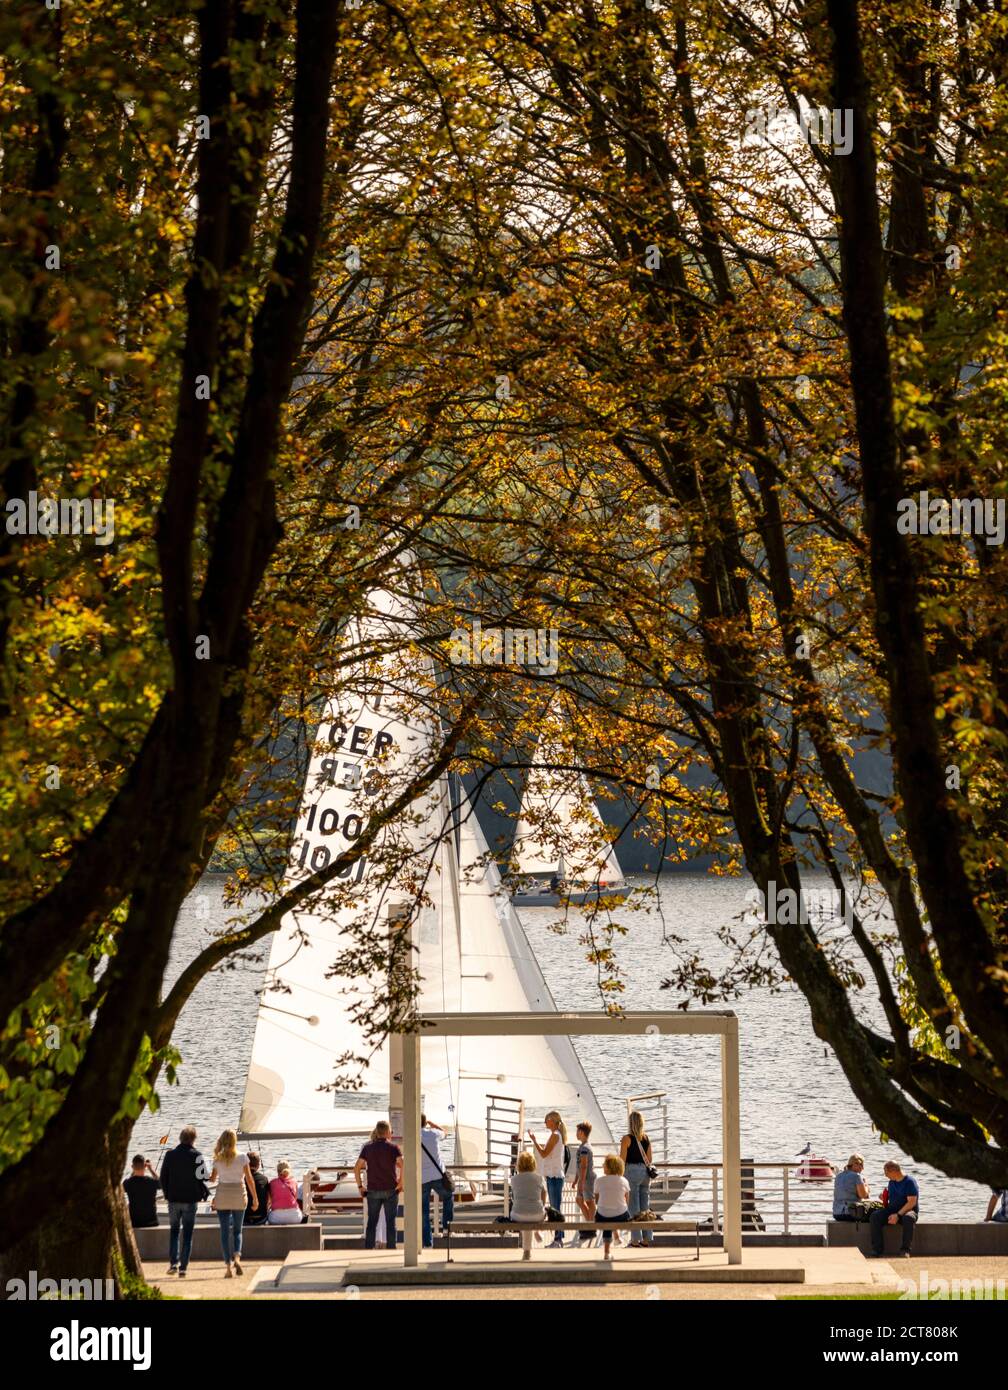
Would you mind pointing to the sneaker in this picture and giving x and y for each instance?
(181, 1274)
(173, 1269)
(227, 1272)
(238, 1269)
(904, 1254)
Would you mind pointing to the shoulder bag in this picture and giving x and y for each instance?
(446, 1178)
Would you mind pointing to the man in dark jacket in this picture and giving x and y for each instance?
(183, 1181)
(261, 1184)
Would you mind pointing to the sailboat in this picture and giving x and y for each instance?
(558, 811)
(471, 950)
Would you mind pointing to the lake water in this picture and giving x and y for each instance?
(792, 1089)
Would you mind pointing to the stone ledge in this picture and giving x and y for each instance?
(930, 1237)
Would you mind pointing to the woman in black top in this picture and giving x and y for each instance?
(635, 1151)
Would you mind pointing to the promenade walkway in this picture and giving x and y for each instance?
(763, 1274)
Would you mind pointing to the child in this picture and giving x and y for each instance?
(612, 1195)
(584, 1180)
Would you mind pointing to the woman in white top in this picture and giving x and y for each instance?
(551, 1161)
(528, 1198)
(612, 1193)
(232, 1175)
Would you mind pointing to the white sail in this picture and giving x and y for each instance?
(559, 825)
(371, 740)
(500, 974)
(473, 953)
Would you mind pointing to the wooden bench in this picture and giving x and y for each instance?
(483, 1228)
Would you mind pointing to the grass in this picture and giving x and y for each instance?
(889, 1296)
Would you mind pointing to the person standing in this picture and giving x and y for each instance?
(433, 1177)
(183, 1181)
(383, 1162)
(584, 1179)
(528, 1198)
(141, 1193)
(233, 1177)
(256, 1216)
(551, 1161)
(635, 1151)
(612, 1191)
(849, 1187)
(902, 1208)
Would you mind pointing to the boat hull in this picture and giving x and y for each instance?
(576, 899)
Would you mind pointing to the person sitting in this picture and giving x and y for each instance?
(902, 1208)
(284, 1209)
(528, 1198)
(261, 1184)
(612, 1198)
(141, 1193)
(997, 1207)
(849, 1188)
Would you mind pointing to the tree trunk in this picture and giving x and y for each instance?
(84, 1233)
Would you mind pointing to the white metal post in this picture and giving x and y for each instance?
(732, 1142)
(411, 1148)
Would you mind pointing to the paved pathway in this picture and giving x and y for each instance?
(823, 1277)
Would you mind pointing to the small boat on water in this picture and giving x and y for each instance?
(813, 1167)
(562, 853)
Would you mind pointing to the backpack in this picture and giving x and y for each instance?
(570, 1163)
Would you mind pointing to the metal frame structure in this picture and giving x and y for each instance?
(723, 1024)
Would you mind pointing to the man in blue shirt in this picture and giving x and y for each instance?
(433, 1177)
(902, 1208)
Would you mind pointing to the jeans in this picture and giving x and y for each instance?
(447, 1206)
(878, 1221)
(636, 1175)
(231, 1223)
(375, 1202)
(180, 1215)
(554, 1195)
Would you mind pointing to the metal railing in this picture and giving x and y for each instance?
(774, 1198)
